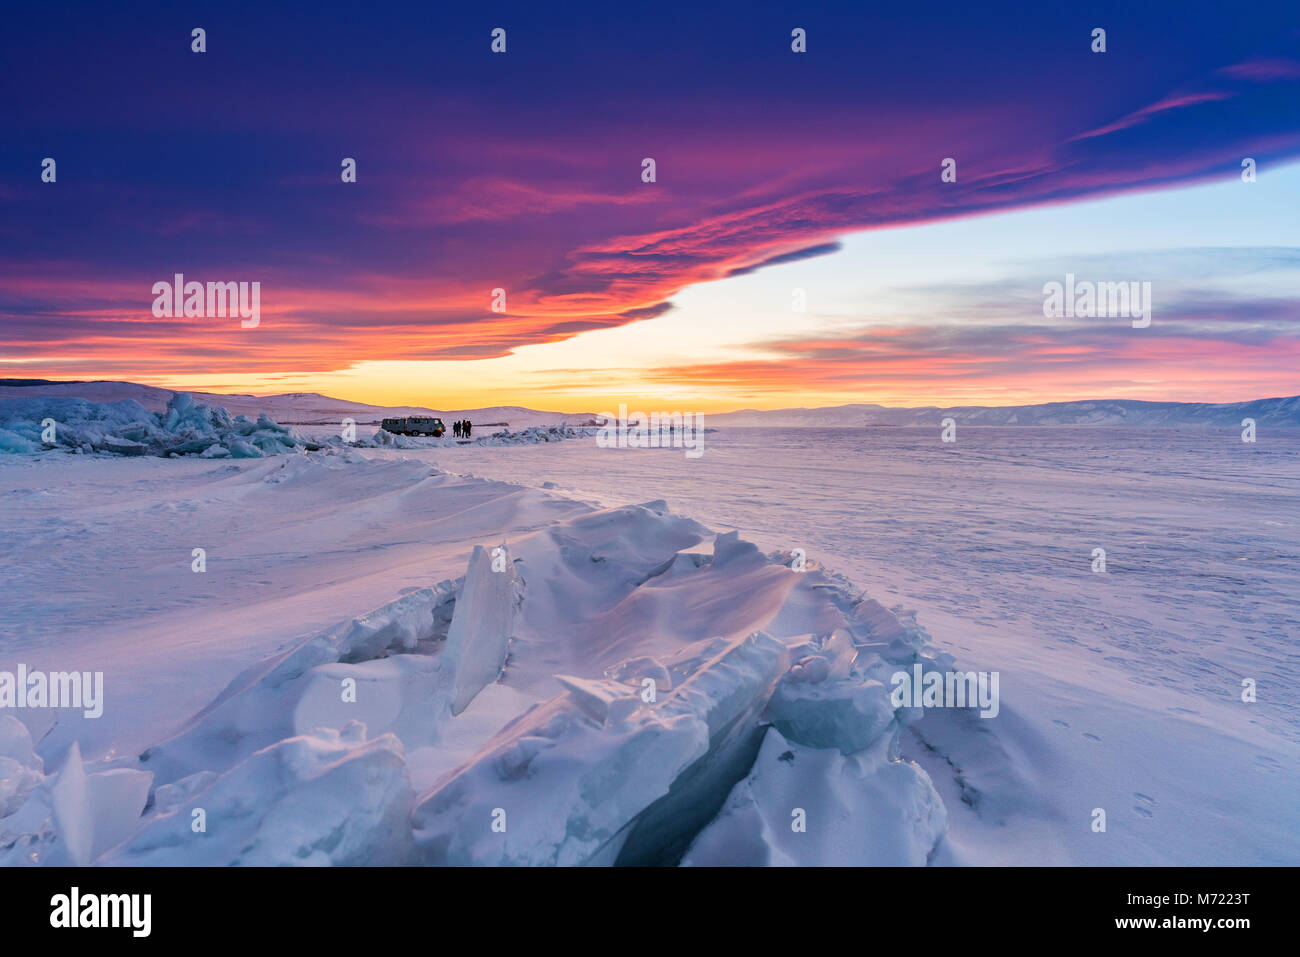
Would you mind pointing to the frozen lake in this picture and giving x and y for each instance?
(991, 540)
(1120, 692)
(1201, 531)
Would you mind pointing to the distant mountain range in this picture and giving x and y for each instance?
(1094, 412)
(291, 408)
(311, 408)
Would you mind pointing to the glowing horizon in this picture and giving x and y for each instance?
(695, 342)
(815, 172)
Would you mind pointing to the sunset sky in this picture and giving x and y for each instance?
(776, 172)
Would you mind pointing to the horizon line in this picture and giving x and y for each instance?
(6, 382)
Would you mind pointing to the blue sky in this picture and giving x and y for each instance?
(523, 171)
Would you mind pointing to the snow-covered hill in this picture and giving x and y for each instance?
(364, 655)
(310, 408)
(1276, 412)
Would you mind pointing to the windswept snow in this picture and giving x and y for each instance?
(358, 656)
(590, 688)
(1123, 690)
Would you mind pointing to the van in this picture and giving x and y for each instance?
(415, 425)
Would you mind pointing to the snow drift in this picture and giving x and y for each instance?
(615, 687)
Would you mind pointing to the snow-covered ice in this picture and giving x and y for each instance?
(478, 638)
(125, 427)
(386, 660)
(1120, 690)
(867, 808)
(36, 423)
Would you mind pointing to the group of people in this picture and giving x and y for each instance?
(461, 429)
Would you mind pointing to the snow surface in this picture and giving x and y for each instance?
(353, 680)
(1120, 690)
(517, 685)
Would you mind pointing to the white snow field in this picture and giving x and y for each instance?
(387, 660)
(592, 682)
(1121, 691)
